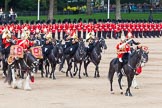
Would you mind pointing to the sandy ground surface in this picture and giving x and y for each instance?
(65, 92)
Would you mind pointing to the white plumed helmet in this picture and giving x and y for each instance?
(37, 30)
(129, 35)
(122, 38)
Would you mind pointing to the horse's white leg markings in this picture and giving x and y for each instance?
(27, 85)
(19, 83)
(134, 83)
(121, 91)
(14, 79)
(112, 92)
(142, 64)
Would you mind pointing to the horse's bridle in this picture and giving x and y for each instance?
(140, 61)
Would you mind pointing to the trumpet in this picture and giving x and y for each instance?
(10, 59)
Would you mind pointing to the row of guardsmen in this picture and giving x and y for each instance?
(101, 28)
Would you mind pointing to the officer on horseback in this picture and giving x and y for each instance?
(68, 40)
(91, 39)
(123, 51)
(74, 45)
(71, 47)
(48, 46)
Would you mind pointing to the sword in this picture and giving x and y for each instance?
(120, 46)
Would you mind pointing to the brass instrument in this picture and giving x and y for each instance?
(10, 59)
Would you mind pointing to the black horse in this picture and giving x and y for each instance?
(135, 59)
(53, 58)
(79, 57)
(95, 57)
(27, 65)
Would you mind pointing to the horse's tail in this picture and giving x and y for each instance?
(111, 69)
(9, 76)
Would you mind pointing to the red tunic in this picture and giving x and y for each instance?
(121, 51)
(24, 43)
(6, 43)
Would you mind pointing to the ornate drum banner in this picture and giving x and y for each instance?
(37, 52)
(16, 51)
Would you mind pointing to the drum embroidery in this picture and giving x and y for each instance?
(37, 52)
(16, 51)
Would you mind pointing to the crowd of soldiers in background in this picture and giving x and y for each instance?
(101, 28)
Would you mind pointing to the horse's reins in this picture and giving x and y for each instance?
(138, 64)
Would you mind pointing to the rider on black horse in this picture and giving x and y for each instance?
(48, 46)
(70, 47)
(73, 46)
(68, 40)
(91, 39)
(123, 51)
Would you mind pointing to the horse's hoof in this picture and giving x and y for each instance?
(13, 85)
(130, 95)
(126, 94)
(136, 87)
(19, 84)
(27, 88)
(98, 75)
(80, 77)
(62, 71)
(121, 93)
(112, 92)
(3, 75)
(94, 76)
(84, 74)
(54, 78)
(74, 74)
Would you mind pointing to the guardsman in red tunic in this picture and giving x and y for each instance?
(100, 28)
(59, 29)
(123, 49)
(84, 29)
(79, 28)
(53, 29)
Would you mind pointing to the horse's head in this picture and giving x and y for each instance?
(59, 47)
(141, 56)
(144, 58)
(103, 43)
(81, 47)
(31, 61)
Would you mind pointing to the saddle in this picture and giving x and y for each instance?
(125, 58)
